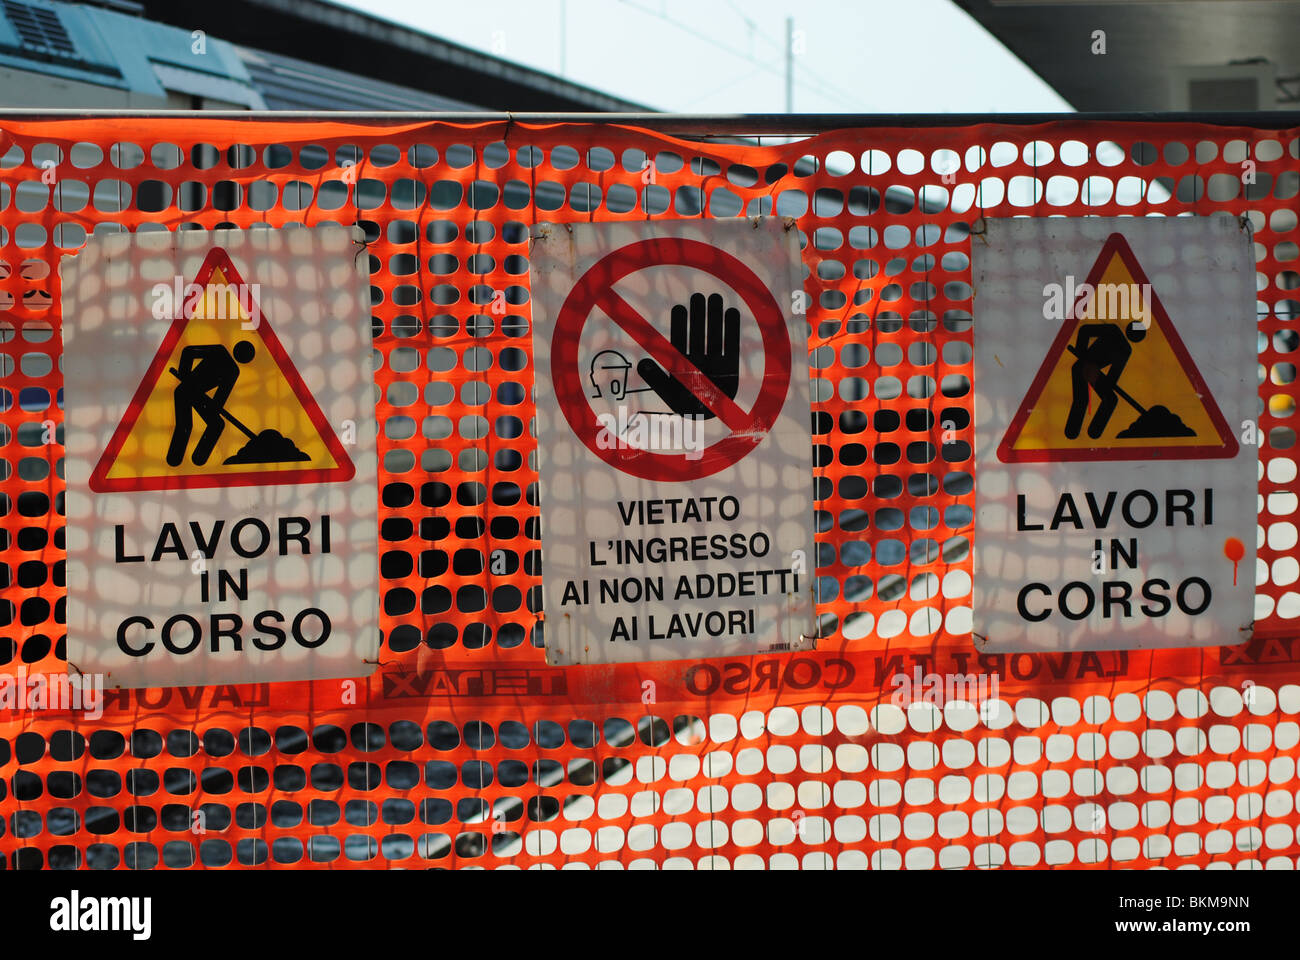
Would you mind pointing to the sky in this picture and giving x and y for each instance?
(728, 56)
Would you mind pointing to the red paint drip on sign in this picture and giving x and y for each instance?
(1234, 550)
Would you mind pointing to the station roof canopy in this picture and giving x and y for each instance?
(1159, 54)
(292, 34)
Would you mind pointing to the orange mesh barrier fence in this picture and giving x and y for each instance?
(464, 748)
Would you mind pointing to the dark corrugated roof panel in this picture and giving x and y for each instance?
(351, 40)
(286, 83)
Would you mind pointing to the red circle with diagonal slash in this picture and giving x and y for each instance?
(595, 288)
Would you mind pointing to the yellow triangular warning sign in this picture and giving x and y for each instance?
(1117, 382)
(221, 404)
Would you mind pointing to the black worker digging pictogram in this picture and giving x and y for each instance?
(206, 377)
(1102, 351)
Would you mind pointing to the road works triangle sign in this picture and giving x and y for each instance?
(222, 404)
(217, 531)
(1114, 508)
(1117, 382)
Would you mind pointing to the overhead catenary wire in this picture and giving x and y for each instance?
(826, 90)
(779, 47)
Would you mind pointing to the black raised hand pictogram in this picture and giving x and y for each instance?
(709, 338)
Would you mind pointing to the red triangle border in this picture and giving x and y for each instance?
(345, 470)
(1116, 244)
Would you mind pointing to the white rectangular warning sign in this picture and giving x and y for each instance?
(674, 443)
(220, 457)
(1115, 406)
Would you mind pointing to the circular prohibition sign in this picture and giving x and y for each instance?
(595, 288)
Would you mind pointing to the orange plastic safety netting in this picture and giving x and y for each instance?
(464, 749)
